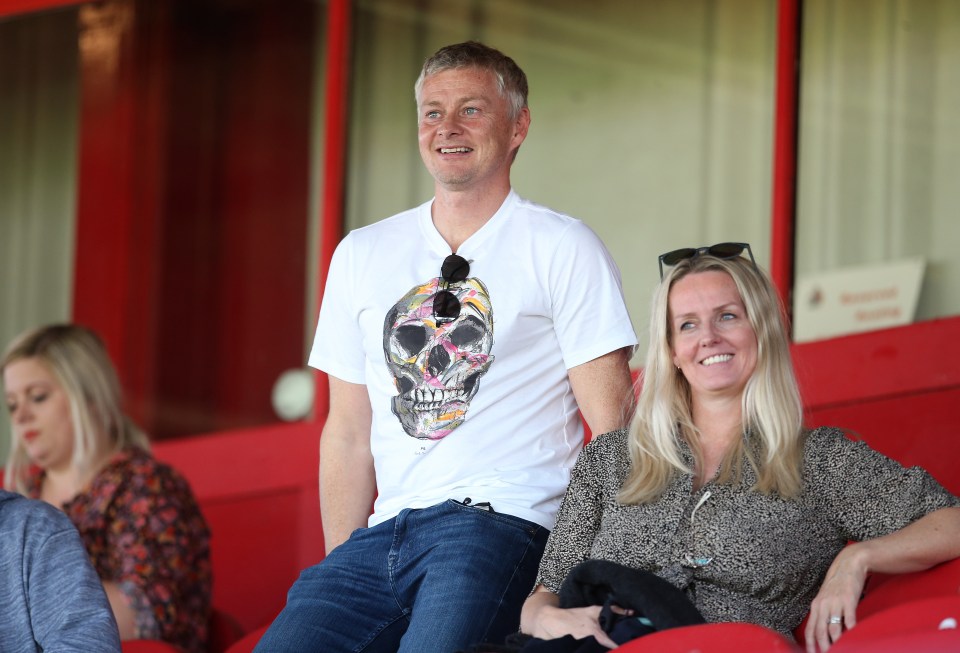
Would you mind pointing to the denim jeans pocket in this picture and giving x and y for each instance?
(486, 510)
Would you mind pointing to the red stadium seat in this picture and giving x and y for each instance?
(712, 638)
(885, 591)
(248, 642)
(148, 646)
(224, 632)
(932, 620)
(934, 641)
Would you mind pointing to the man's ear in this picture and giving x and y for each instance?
(521, 125)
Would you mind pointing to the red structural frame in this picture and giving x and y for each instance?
(115, 257)
(335, 154)
(783, 213)
(13, 7)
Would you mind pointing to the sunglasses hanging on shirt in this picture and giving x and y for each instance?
(446, 306)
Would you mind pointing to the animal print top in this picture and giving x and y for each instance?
(739, 555)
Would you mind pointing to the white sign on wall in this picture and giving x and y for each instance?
(852, 300)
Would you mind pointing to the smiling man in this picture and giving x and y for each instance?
(460, 338)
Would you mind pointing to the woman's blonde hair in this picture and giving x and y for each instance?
(771, 408)
(78, 360)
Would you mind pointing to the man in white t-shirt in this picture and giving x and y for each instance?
(460, 338)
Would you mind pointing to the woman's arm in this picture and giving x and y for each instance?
(543, 617)
(159, 543)
(930, 540)
(123, 612)
(578, 525)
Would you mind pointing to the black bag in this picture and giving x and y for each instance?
(656, 604)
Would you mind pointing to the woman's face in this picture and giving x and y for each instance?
(714, 344)
(39, 413)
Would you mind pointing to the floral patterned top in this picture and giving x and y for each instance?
(143, 530)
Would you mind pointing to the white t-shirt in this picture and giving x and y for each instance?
(479, 407)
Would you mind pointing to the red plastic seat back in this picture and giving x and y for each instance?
(712, 638)
(224, 631)
(932, 619)
(148, 646)
(885, 591)
(249, 641)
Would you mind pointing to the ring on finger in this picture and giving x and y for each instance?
(834, 620)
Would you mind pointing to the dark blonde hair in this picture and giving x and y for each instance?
(77, 358)
(771, 407)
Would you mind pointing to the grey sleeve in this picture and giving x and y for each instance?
(69, 611)
(866, 493)
(578, 521)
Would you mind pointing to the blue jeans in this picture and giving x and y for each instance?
(432, 580)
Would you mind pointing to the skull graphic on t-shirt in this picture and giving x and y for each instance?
(437, 363)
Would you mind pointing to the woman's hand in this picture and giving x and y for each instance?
(543, 617)
(835, 607)
(579, 622)
(123, 612)
(930, 540)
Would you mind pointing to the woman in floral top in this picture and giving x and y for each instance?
(74, 448)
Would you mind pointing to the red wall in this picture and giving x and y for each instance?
(193, 203)
(258, 491)
(895, 387)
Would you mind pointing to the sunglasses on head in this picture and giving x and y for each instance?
(720, 250)
(446, 306)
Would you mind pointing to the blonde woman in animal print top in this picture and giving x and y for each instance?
(718, 488)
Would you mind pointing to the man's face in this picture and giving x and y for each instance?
(467, 135)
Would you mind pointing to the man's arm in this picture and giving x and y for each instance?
(604, 391)
(347, 482)
(68, 607)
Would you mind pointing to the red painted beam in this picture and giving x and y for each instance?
(103, 294)
(335, 156)
(12, 7)
(120, 181)
(783, 198)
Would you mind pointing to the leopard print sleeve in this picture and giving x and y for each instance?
(581, 512)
